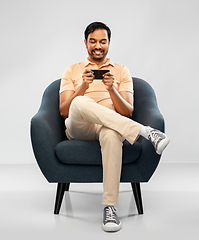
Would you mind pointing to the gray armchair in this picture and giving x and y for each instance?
(61, 162)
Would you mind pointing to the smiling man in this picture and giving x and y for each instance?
(100, 109)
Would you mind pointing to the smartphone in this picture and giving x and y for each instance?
(99, 73)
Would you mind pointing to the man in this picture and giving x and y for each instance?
(100, 110)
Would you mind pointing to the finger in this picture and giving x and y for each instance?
(88, 74)
(108, 78)
(108, 81)
(87, 70)
(108, 74)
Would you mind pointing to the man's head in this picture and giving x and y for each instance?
(97, 41)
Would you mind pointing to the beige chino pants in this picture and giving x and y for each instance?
(89, 121)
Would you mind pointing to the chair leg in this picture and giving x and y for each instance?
(137, 196)
(67, 187)
(61, 188)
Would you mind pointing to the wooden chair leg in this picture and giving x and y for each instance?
(137, 196)
(61, 188)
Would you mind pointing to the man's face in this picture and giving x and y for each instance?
(97, 45)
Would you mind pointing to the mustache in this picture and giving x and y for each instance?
(97, 49)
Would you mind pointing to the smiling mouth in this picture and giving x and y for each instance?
(97, 52)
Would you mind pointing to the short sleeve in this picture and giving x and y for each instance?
(66, 81)
(126, 83)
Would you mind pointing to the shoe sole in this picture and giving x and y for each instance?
(162, 145)
(111, 227)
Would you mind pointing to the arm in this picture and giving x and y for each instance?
(123, 101)
(67, 96)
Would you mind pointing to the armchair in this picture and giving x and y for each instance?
(61, 163)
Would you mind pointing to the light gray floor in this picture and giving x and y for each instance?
(171, 206)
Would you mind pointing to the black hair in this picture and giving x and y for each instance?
(96, 25)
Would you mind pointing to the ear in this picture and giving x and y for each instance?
(85, 42)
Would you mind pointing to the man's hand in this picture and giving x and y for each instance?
(108, 80)
(88, 77)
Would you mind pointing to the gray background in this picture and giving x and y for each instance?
(156, 40)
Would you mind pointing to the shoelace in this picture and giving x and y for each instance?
(154, 137)
(111, 214)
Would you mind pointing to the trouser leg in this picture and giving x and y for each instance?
(85, 113)
(88, 121)
(111, 147)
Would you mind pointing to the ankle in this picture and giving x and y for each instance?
(143, 132)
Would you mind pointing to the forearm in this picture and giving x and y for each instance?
(120, 104)
(65, 103)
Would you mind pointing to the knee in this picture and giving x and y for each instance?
(79, 101)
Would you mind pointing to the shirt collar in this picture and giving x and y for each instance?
(107, 63)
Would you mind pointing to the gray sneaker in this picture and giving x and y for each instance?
(111, 222)
(158, 139)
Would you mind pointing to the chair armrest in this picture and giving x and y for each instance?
(45, 135)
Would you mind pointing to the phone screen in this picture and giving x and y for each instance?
(99, 73)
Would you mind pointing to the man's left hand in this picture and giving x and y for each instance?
(108, 80)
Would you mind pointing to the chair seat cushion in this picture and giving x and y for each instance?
(89, 152)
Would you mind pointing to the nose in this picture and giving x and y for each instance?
(97, 45)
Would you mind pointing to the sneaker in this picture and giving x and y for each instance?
(158, 139)
(111, 222)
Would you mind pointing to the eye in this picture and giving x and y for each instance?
(92, 41)
(103, 42)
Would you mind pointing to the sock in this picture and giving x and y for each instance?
(143, 132)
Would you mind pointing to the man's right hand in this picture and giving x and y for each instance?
(88, 77)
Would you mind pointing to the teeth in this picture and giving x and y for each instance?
(97, 52)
